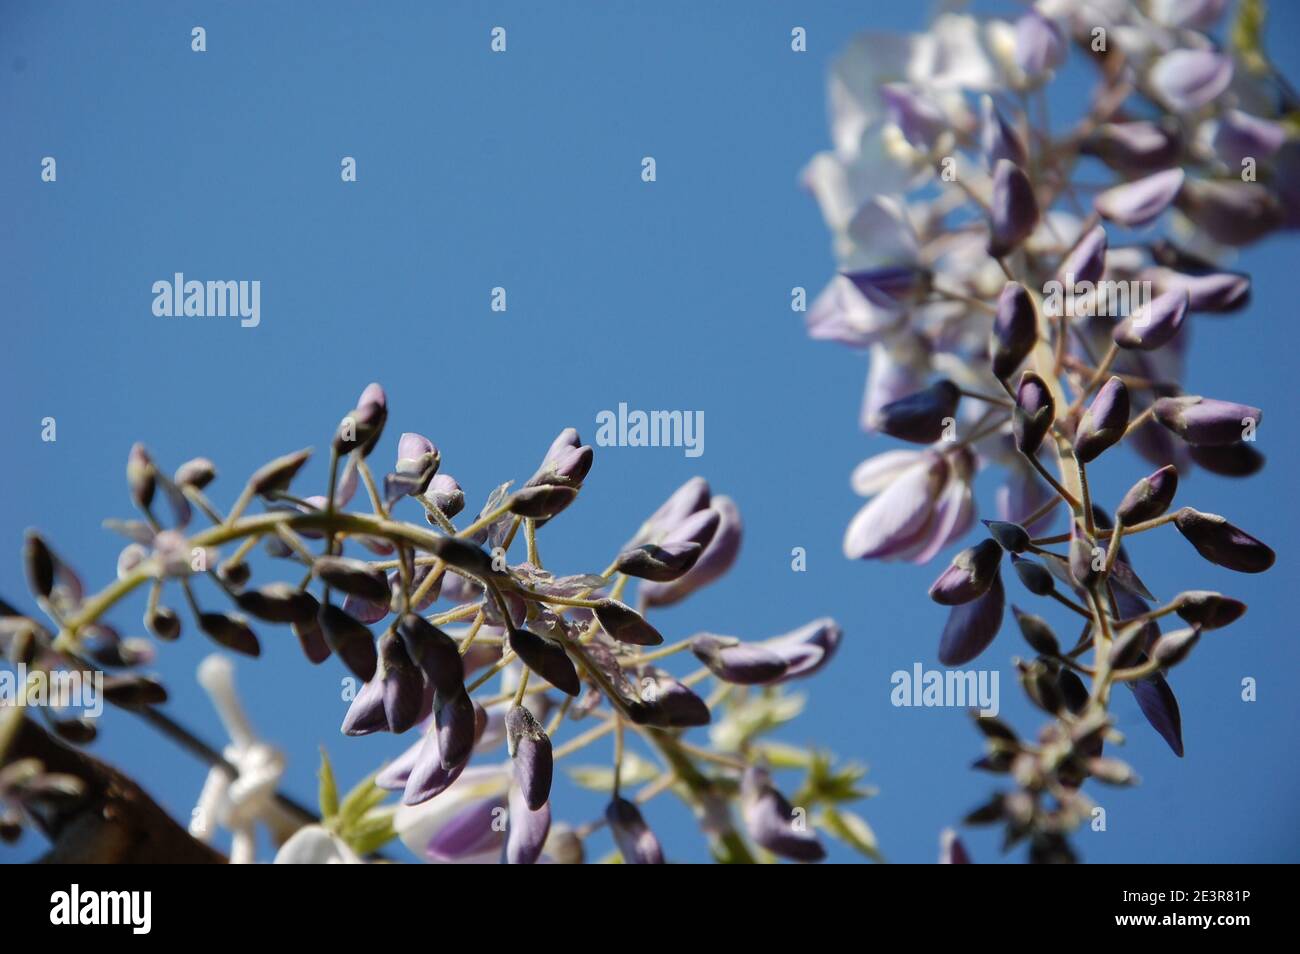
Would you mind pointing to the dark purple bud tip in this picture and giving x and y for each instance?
(773, 822)
(1015, 329)
(350, 640)
(1228, 460)
(355, 577)
(445, 493)
(134, 692)
(736, 662)
(530, 747)
(542, 502)
(463, 555)
(1199, 420)
(403, 684)
(1037, 633)
(1172, 648)
(659, 563)
(1087, 262)
(969, 575)
(434, 652)
(636, 842)
(366, 713)
(311, 639)
(1034, 413)
(279, 603)
(231, 632)
(1105, 421)
(547, 658)
(667, 703)
(1011, 537)
(1222, 543)
(196, 473)
(1154, 324)
(456, 723)
(972, 626)
(141, 477)
(951, 849)
(1149, 497)
(1209, 610)
(279, 473)
(921, 417)
(39, 563)
(1036, 577)
(163, 622)
(1013, 211)
(626, 624)
(1129, 646)
(362, 427)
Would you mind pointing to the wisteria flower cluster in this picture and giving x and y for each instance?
(519, 656)
(1019, 314)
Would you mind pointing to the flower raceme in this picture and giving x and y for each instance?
(463, 647)
(959, 231)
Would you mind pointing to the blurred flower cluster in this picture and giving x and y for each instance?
(488, 685)
(1025, 287)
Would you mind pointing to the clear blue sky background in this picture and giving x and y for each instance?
(522, 170)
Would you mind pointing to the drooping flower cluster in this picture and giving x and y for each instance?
(517, 656)
(1019, 315)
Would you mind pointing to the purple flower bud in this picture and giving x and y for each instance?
(687, 499)
(1105, 421)
(196, 473)
(1136, 203)
(403, 684)
(566, 463)
(1149, 497)
(530, 747)
(1209, 610)
(1186, 80)
(39, 562)
(417, 461)
(921, 417)
(541, 502)
(140, 476)
(625, 624)
(356, 577)
(1199, 420)
(1013, 211)
(426, 777)
(1015, 329)
(1153, 324)
(526, 830)
(1207, 290)
(362, 427)
(279, 603)
(899, 284)
(719, 554)
(1172, 648)
(635, 841)
(1232, 212)
(744, 664)
(1222, 543)
(1239, 136)
(970, 574)
(435, 653)
(972, 626)
(1034, 413)
(471, 834)
(547, 658)
(1036, 577)
(917, 117)
(1087, 260)
(444, 493)
(772, 821)
(1040, 45)
(660, 563)
(807, 649)
(365, 611)
(1228, 460)
(366, 713)
(997, 139)
(231, 632)
(1012, 537)
(456, 722)
(1138, 147)
(350, 641)
(311, 639)
(278, 474)
(1037, 633)
(667, 703)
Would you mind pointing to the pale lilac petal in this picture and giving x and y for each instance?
(1141, 201)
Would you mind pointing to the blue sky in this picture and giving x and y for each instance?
(522, 170)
